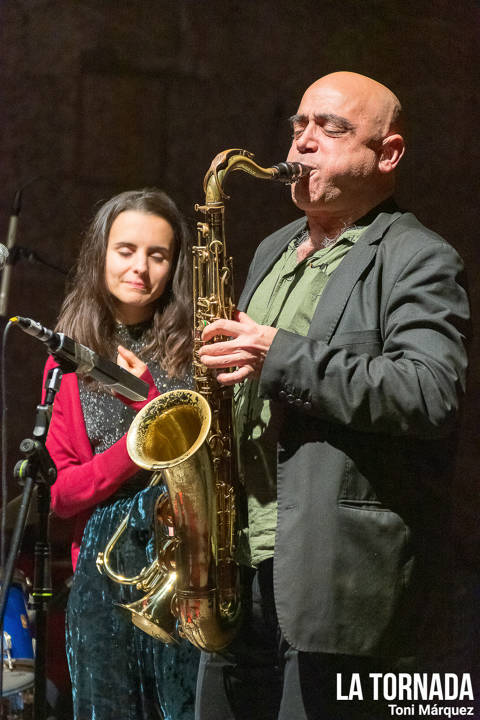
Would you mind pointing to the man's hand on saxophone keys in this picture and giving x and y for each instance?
(245, 351)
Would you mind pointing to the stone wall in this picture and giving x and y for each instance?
(103, 95)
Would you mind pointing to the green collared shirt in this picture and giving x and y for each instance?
(286, 298)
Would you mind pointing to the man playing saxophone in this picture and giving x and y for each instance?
(349, 345)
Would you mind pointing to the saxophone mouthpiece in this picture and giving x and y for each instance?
(290, 172)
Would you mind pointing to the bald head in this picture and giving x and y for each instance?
(368, 99)
(347, 130)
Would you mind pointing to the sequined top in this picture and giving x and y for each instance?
(106, 417)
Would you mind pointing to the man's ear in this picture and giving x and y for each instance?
(393, 147)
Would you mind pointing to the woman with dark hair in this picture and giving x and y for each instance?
(129, 300)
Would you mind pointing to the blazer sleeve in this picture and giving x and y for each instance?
(413, 386)
(83, 479)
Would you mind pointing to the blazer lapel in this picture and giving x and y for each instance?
(339, 288)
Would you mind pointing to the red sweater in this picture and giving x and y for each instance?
(84, 479)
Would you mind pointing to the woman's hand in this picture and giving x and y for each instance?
(129, 361)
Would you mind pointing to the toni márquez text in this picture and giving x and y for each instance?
(411, 694)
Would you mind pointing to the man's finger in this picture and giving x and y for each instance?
(236, 376)
(222, 327)
(223, 361)
(220, 348)
(242, 317)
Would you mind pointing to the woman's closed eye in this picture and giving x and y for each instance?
(158, 257)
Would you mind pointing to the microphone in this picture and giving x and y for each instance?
(85, 361)
(11, 237)
(3, 256)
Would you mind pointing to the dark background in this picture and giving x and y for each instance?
(99, 96)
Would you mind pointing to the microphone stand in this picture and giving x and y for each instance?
(36, 469)
(18, 253)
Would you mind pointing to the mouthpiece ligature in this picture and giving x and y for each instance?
(290, 172)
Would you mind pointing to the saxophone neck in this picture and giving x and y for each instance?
(234, 159)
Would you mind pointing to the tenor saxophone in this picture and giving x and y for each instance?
(188, 436)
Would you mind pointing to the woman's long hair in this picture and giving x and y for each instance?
(88, 311)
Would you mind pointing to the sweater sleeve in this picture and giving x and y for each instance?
(83, 479)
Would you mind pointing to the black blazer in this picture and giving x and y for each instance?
(371, 398)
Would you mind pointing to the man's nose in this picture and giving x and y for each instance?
(307, 141)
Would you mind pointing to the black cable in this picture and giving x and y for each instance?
(3, 529)
(3, 385)
(18, 253)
